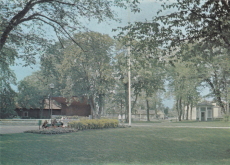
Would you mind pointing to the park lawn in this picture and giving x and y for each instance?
(185, 123)
(119, 146)
(203, 123)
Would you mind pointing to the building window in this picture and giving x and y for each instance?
(209, 114)
(25, 114)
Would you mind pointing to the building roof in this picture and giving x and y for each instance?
(56, 102)
(71, 101)
(151, 112)
(205, 103)
(54, 105)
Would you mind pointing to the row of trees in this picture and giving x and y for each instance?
(24, 35)
(187, 48)
(97, 71)
(194, 38)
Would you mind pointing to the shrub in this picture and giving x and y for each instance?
(94, 124)
(226, 118)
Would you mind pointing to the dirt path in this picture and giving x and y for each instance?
(5, 129)
(168, 126)
(9, 129)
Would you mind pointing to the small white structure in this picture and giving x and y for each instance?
(205, 111)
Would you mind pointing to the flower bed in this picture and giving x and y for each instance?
(94, 124)
(58, 130)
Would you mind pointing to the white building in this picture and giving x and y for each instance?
(205, 111)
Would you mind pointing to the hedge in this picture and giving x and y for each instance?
(93, 124)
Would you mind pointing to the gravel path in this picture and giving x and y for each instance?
(9, 129)
(5, 129)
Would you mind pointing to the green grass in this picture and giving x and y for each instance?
(120, 146)
(157, 121)
(186, 123)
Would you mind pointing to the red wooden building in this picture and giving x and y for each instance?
(60, 106)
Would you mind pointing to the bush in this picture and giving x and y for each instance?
(94, 124)
(226, 118)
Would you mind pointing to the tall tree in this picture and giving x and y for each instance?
(28, 27)
(215, 72)
(184, 83)
(193, 21)
(33, 90)
(121, 75)
(197, 27)
(85, 72)
(7, 94)
(63, 16)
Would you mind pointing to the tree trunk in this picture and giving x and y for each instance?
(92, 106)
(126, 102)
(179, 109)
(121, 108)
(155, 109)
(187, 111)
(134, 103)
(100, 102)
(217, 94)
(191, 111)
(147, 104)
(183, 111)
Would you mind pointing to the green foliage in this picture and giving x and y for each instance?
(7, 103)
(226, 118)
(32, 91)
(7, 94)
(191, 21)
(94, 124)
(196, 33)
(85, 71)
(24, 23)
(166, 110)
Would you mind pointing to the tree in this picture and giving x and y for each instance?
(32, 92)
(120, 65)
(215, 72)
(193, 21)
(84, 72)
(166, 111)
(150, 81)
(25, 21)
(7, 94)
(184, 82)
(199, 28)
(24, 24)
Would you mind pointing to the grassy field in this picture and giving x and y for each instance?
(187, 123)
(120, 146)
